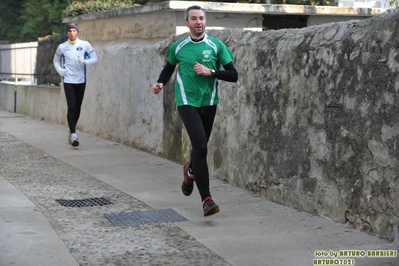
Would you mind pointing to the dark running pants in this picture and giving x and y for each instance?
(198, 122)
(74, 96)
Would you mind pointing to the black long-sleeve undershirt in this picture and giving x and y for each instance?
(229, 73)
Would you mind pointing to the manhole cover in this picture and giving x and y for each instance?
(145, 217)
(84, 202)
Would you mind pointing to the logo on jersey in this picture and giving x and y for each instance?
(79, 49)
(206, 54)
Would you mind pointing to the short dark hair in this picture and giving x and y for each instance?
(192, 8)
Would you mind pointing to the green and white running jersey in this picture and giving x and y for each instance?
(190, 88)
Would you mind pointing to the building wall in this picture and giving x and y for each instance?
(317, 20)
(18, 62)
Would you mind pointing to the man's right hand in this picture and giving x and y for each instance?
(156, 88)
(62, 72)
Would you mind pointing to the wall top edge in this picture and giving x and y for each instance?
(19, 45)
(236, 8)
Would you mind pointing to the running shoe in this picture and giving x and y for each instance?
(188, 182)
(73, 140)
(210, 206)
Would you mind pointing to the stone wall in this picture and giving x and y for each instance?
(46, 73)
(311, 123)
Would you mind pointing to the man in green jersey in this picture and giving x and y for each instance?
(200, 58)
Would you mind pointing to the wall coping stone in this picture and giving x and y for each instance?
(236, 8)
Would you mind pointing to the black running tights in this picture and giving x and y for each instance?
(198, 123)
(74, 96)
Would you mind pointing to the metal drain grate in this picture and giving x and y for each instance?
(84, 202)
(145, 217)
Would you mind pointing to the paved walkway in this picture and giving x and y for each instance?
(38, 166)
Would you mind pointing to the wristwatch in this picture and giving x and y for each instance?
(213, 72)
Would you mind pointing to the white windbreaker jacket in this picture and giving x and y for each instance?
(66, 57)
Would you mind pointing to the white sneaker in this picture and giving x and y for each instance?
(73, 140)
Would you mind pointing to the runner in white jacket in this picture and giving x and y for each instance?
(70, 61)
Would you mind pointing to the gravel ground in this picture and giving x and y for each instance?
(91, 238)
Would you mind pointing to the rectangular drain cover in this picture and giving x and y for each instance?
(84, 202)
(145, 217)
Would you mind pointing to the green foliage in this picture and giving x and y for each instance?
(10, 26)
(77, 8)
(26, 20)
(54, 38)
(55, 14)
(394, 3)
(33, 24)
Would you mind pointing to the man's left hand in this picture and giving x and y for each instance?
(202, 70)
(81, 60)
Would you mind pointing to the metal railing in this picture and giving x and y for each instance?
(18, 63)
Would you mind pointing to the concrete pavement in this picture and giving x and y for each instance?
(249, 230)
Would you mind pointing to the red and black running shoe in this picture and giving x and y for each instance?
(188, 182)
(210, 206)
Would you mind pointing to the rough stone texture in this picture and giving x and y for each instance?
(311, 123)
(46, 73)
(91, 238)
